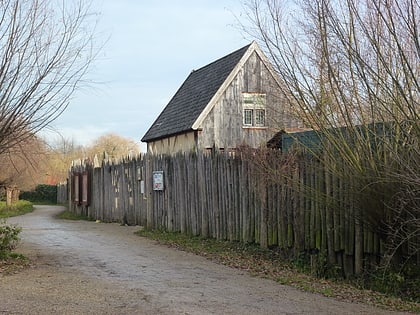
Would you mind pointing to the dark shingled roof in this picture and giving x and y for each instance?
(192, 97)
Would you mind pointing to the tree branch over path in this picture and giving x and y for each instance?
(46, 48)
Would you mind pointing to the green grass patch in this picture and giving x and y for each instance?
(222, 251)
(18, 208)
(404, 282)
(11, 263)
(274, 264)
(67, 215)
(12, 256)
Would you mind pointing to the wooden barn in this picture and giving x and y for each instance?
(230, 102)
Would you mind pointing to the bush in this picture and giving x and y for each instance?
(41, 194)
(403, 282)
(9, 237)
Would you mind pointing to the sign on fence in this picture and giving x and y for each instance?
(157, 180)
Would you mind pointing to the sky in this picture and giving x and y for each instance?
(151, 48)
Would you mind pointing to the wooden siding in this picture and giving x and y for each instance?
(179, 143)
(222, 128)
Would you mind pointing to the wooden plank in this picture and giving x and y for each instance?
(336, 212)
(191, 195)
(300, 193)
(329, 212)
(202, 196)
(243, 191)
(182, 193)
(283, 216)
(274, 213)
(313, 210)
(262, 196)
(216, 191)
(177, 206)
(211, 187)
(148, 186)
(358, 244)
(238, 218)
(305, 191)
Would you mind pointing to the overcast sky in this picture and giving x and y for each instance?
(152, 48)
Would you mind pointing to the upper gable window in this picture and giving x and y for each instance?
(254, 109)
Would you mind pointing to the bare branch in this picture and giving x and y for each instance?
(47, 48)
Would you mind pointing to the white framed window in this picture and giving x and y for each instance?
(254, 109)
(260, 117)
(248, 115)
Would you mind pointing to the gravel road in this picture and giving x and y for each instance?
(95, 268)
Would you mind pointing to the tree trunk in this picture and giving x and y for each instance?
(12, 195)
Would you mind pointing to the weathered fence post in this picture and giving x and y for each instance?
(309, 207)
(148, 183)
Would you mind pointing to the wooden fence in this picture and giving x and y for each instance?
(300, 208)
(62, 193)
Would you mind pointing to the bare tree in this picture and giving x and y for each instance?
(46, 49)
(343, 63)
(113, 146)
(58, 158)
(355, 64)
(22, 167)
(61, 153)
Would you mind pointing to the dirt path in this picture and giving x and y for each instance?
(94, 268)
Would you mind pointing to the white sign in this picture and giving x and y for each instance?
(158, 180)
(142, 186)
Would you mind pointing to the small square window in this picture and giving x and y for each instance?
(254, 109)
(248, 117)
(259, 117)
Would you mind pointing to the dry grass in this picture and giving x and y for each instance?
(12, 263)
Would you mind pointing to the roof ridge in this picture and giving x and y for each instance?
(193, 96)
(224, 57)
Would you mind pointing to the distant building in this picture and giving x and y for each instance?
(230, 102)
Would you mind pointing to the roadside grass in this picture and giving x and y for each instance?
(11, 262)
(18, 208)
(273, 264)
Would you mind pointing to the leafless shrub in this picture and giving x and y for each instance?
(355, 65)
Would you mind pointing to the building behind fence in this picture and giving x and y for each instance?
(225, 197)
